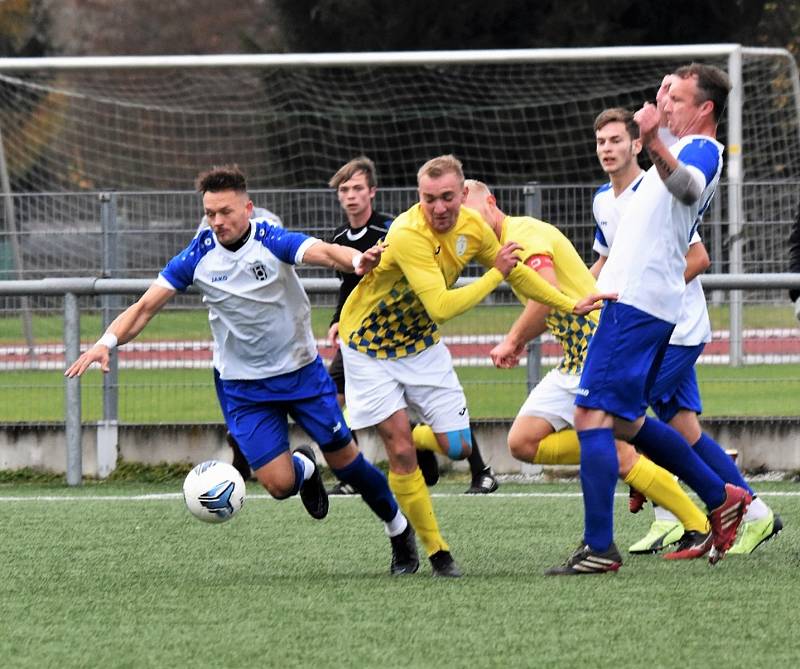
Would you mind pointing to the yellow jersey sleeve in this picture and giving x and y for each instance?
(415, 257)
(528, 283)
(523, 280)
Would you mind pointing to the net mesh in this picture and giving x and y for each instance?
(513, 123)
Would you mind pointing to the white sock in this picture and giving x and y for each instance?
(756, 511)
(396, 525)
(663, 514)
(308, 466)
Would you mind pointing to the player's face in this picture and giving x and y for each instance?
(228, 214)
(355, 196)
(680, 107)
(441, 198)
(615, 148)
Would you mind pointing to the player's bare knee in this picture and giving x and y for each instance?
(522, 446)
(523, 449)
(280, 486)
(279, 490)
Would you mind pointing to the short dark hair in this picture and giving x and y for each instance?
(226, 177)
(712, 84)
(353, 167)
(617, 115)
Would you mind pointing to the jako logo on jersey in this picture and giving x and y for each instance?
(221, 277)
(463, 411)
(260, 271)
(583, 391)
(436, 252)
(337, 427)
(461, 245)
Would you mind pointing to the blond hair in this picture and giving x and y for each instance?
(441, 165)
(475, 186)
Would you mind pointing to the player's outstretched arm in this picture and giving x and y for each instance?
(122, 329)
(592, 302)
(529, 325)
(343, 258)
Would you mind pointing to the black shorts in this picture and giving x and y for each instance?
(336, 370)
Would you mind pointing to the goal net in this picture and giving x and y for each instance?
(291, 125)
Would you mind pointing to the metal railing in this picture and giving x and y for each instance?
(71, 288)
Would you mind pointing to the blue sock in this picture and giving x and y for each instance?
(599, 472)
(715, 457)
(299, 473)
(368, 480)
(666, 447)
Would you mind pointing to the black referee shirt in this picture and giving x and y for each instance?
(361, 239)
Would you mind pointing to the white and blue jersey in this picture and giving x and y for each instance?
(693, 326)
(646, 264)
(607, 209)
(259, 314)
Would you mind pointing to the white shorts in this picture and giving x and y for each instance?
(424, 382)
(553, 399)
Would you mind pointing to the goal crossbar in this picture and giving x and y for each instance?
(461, 57)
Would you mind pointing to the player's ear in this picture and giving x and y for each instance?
(707, 108)
(249, 208)
(492, 200)
(636, 146)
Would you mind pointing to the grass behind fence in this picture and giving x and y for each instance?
(123, 582)
(192, 324)
(187, 395)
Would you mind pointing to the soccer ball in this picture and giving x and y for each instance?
(214, 491)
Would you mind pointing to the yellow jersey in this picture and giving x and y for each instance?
(394, 310)
(574, 279)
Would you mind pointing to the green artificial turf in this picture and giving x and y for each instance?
(94, 576)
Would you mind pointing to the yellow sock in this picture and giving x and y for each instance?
(424, 439)
(658, 485)
(559, 448)
(415, 502)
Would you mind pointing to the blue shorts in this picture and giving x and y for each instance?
(258, 412)
(622, 360)
(675, 387)
(223, 402)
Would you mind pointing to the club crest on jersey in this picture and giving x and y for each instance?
(260, 271)
(461, 245)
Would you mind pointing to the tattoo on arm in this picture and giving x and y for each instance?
(660, 162)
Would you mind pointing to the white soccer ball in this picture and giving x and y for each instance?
(214, 491)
